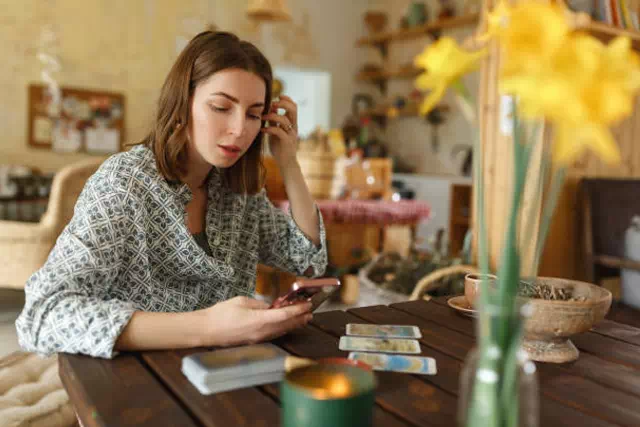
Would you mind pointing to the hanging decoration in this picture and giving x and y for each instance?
(269, 10)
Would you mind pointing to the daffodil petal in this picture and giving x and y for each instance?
(619, 47)
(420, 61)
(565, 149)
(430, 101)
(601, 141)
(570, 141)
(426, 81)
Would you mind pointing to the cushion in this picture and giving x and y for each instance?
(31, 393)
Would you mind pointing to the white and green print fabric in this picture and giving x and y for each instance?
(127, 248)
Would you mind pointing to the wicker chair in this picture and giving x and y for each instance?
(24, 247)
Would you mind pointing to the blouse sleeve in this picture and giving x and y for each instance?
(283, 245)
(66, 308)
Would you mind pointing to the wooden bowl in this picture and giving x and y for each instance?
(550, 323)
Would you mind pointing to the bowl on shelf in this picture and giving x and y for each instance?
(375, 21)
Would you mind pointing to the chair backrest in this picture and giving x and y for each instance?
(65, 190)
(607, 208)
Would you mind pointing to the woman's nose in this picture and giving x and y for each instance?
(236, 126)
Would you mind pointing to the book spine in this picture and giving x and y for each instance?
(626, 18)
(633, 12)
(615, 13)
(606, 4)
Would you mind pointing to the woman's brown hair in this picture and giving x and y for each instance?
(206, 54)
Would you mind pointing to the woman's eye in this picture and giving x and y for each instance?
(218, 109)
(254, 116)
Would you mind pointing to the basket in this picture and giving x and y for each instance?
(323, 173)
(385, 294)
(424, 285)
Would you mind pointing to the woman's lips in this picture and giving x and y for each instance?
(230, 150)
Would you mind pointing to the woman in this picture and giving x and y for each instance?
(163, 247)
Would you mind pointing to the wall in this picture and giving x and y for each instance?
(129, 46)
(410, 138)
(436, 191)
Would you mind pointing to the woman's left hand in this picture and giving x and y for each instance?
(284, 131)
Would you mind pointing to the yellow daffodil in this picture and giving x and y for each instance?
(552, 90)
(497, 20)
(583, 88)
(604, 93)
(570, 79)
(445, 62)
(534, 32)
(571, 141)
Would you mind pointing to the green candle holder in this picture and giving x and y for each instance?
(328, 394)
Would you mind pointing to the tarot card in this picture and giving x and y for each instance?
(396, 345)
(234, 362)
(383, 331)
(397, 363)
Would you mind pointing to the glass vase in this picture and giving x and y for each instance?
(498, 383)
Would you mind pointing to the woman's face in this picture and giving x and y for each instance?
(226, 115)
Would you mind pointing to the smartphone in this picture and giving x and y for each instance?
(315, 290)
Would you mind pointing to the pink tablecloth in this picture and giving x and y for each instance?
(380, 212)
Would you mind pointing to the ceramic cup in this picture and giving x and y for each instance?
(472, 286)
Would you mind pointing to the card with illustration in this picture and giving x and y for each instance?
(383, 345)
(383, 331)
(397, 363)
(234, 362)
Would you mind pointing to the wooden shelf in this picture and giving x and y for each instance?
(382, 111)
(606, 32)
(374, 76)
(410, 111)
(417, 32)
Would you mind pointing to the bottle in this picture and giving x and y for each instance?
(631, 278)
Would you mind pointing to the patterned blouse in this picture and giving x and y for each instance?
(128, 248)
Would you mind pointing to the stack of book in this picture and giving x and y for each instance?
(619, 13)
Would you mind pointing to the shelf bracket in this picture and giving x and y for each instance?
(382, 85)
(383, 48)
(434, 34)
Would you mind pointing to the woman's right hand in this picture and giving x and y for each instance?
(243, 320)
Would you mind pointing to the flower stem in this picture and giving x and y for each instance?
(537, 194)
(509, 274)
(547, 213)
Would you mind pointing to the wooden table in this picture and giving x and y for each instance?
(602, 388)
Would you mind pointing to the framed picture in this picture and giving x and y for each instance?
(82, 121)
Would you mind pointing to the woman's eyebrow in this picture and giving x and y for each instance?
(234, 99)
